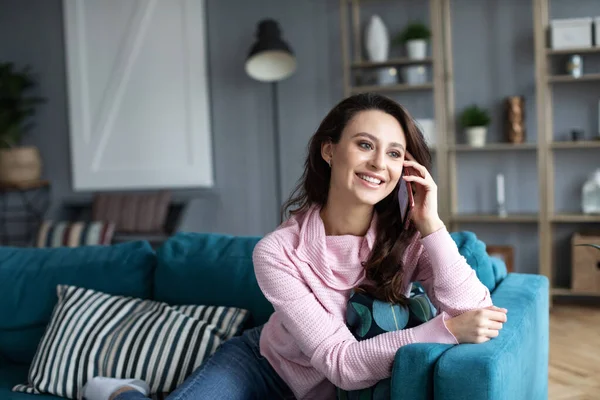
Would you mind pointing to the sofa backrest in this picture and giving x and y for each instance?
(210, 269)
(29, 276)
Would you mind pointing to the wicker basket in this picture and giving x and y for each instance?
(20, 164)
(585, 264)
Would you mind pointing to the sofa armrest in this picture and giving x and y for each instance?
(515, 364)
(412, 372)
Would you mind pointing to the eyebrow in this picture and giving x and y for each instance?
(373, 138)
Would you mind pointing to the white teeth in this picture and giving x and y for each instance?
(369, 179)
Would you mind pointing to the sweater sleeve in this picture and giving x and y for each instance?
(449, 281)
(324, 337)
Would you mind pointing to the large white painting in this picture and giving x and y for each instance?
(138, 94)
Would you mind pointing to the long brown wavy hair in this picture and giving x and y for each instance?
(384, 266)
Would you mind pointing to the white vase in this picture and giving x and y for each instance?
(414, 75)
(416, 49)
(377, 40)
(476, 136)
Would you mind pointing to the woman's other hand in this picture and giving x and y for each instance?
(477, 326)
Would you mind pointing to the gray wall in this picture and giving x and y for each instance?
(243, 200)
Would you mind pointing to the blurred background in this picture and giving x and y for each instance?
(186, 115)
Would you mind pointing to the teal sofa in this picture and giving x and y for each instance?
(214, 269)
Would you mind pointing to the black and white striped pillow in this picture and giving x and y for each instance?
(95, 334)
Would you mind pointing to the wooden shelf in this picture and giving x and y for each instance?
(490, 218)
(570, 79)
(390, 63)
(552, 52)
(572, 218)
(570, 293)
(494, 147)
(584, 144)
(391, 88)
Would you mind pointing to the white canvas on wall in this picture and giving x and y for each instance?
(138, 94)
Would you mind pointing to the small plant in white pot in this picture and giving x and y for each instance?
(415, 37)
(17, 163)
(475, 121)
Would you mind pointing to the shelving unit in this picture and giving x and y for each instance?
(353, 61)
(479, 218)
(495, 147)
(587, 144)
(543, 145)
(391, 88)
(545, 82)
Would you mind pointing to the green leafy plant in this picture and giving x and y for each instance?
(16, 105)
(413, 31)
(474, 116)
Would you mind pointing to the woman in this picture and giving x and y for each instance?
(345, 233)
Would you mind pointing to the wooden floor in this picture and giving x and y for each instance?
(574, 369)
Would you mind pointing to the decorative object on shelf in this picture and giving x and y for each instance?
(575, 66)
(571, 33)
(428, 128)
(585, 263)
(597, 29)
(414, 74)
(475, 121)
(503, 252)
(386, 76)
(377, 47)
(377, 40)
(17, 163)
(515, 119)
(272, 60)
(500, 196)
(415, 38)
(590, 194)
(577, 135)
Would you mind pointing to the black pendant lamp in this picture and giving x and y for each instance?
(270, 59)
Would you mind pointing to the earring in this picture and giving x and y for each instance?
(329, 162)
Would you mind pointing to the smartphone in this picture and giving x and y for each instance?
(406, 200)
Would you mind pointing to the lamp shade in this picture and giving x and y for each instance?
(270, 58)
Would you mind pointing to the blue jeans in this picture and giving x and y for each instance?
(236, 371)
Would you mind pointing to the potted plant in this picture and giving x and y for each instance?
(415, 37)
(17, 163)
(475, 121)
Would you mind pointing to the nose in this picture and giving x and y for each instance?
(378, 160)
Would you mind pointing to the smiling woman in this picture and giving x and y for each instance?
(345, 237)
(355, 161)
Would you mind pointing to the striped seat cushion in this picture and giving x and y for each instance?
(74, 234)
(96, 334)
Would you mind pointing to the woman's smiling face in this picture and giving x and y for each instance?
(366, 164)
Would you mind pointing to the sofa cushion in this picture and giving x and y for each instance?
(211, 269)
(29, 276)
(95, 334)
(474, 251)
(12, 374)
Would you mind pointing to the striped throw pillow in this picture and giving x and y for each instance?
(74, 234)
(95, 334)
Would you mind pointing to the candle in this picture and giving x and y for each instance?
(500, 188)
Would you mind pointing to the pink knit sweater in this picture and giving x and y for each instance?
(308, 277)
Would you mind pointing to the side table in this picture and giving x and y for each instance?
(22, 210)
